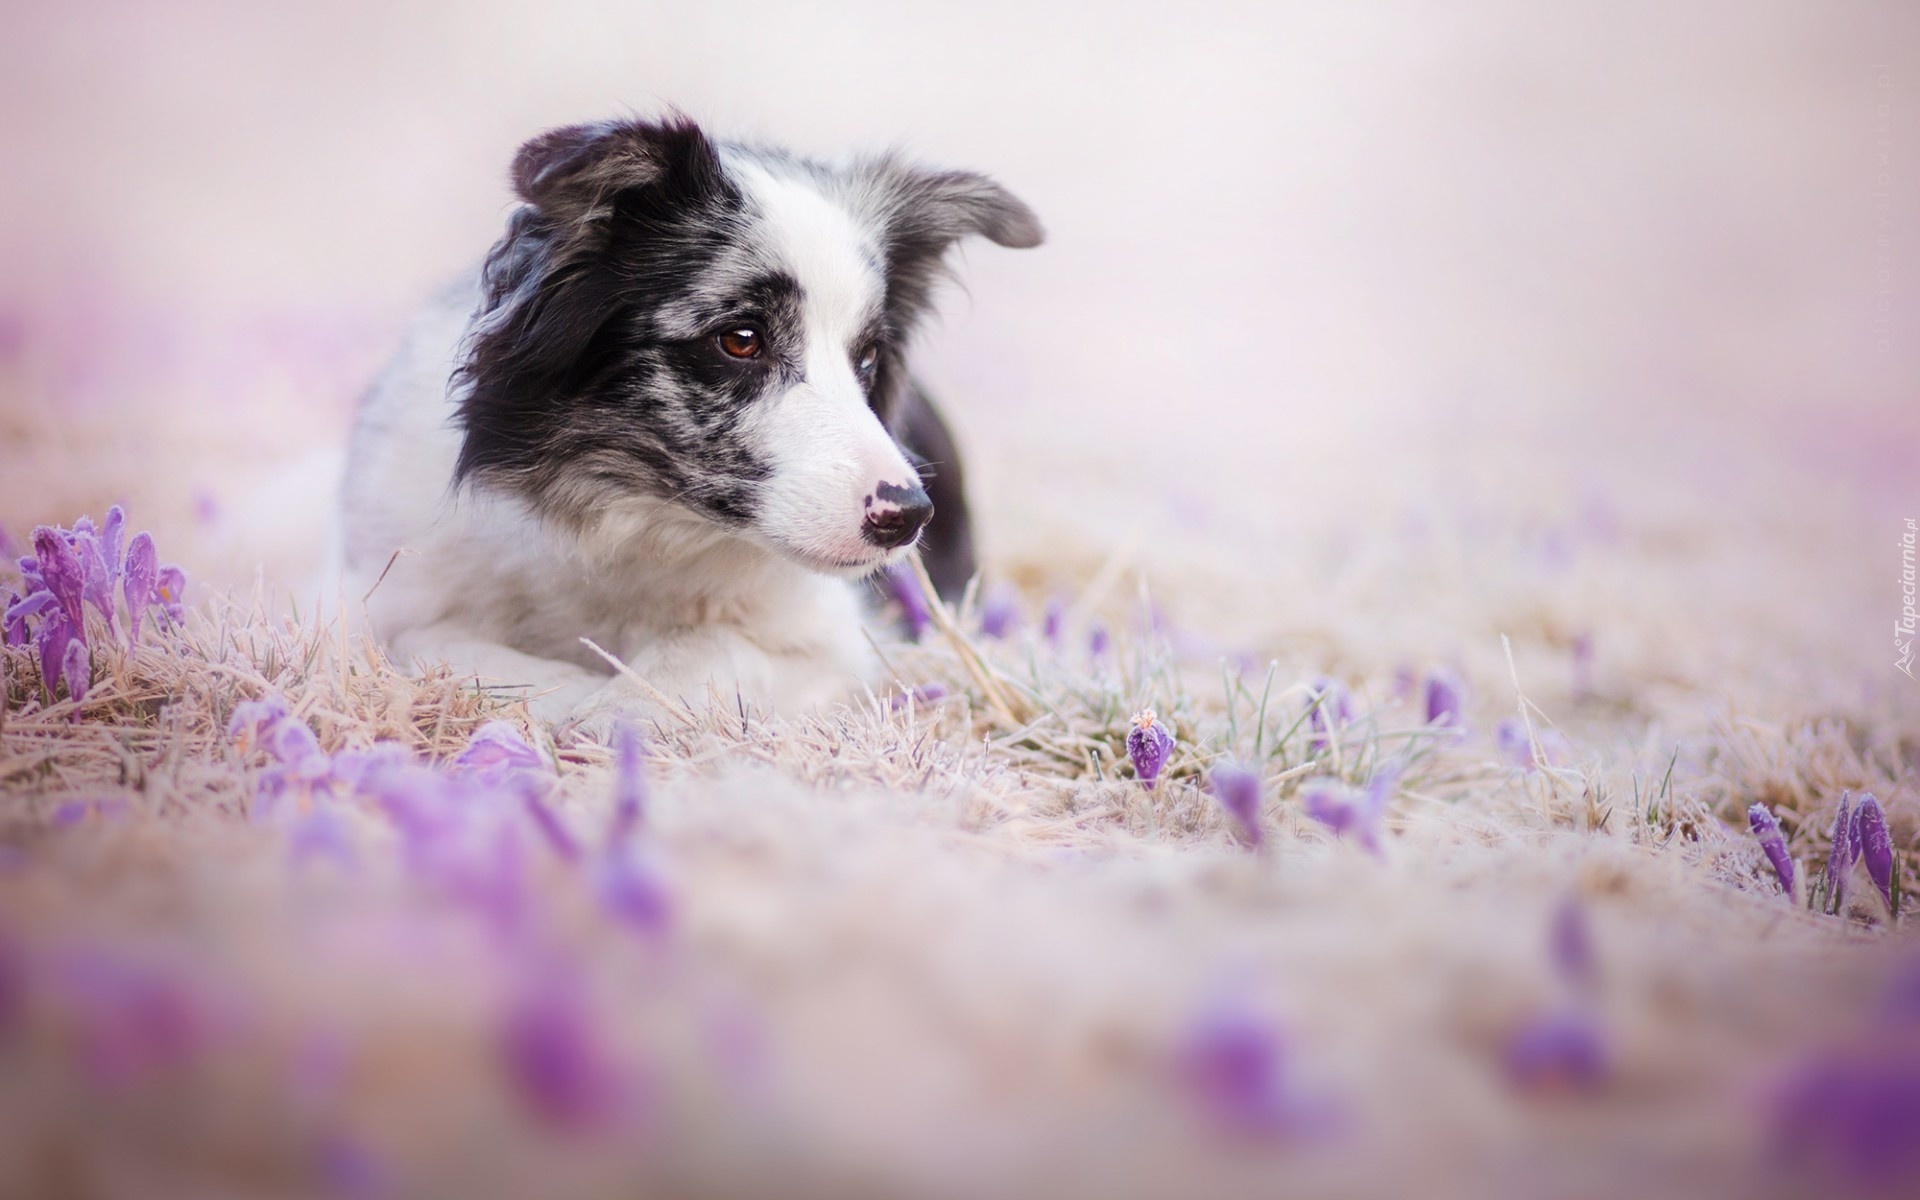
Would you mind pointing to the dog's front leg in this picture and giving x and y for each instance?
(552, 689)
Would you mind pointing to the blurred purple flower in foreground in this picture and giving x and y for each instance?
(1149, 745)
(1238, 791)
(552, 1053)
(1346, 809)
(1774, 843)
(1849, 1117)
(1874, 845)
(1234, 1063)
(1561, 1051)
(1571, 940)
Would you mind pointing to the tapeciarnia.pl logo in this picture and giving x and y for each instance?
(1903, 628)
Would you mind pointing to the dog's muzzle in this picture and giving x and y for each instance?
(896, 515)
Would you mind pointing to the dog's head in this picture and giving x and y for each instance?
(721, 328)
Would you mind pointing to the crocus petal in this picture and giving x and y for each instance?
(1148, 745)
(1773, 843)
(76, 667)
(1233, 1063)
(1841, 857)
(1874, 844)
(1098, 641)
(137, 582)
(497, 748)
(1238, 791)
(61, 573)
(97, 588)
(52, 638)
(111, 535)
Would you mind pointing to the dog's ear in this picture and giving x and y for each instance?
(922, 212)
(580, 171)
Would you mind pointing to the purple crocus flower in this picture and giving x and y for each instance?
(1444, 697)
(1557, 1052)
(76, 667)
(905, 591)
(999, 613)
(1841, 858)
(1874, 844)
(496, 749)
(1053, 621)
(322, 833)
(170, 592)
(137, 582)
(1346, 809)
(924, 694)
(62, 574)
(1774, 843)
(1148, 745)
(551, 1051)
(1330, 711)
(1098, 641)
(1238, 791)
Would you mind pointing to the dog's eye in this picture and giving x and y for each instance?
(869, 360)
(743, 342)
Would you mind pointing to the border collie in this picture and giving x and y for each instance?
(669, 413)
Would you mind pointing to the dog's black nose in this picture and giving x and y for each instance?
(896, 515)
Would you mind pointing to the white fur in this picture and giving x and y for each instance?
(478, 580)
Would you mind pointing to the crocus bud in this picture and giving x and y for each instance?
(1148, 745)
(1840, 858)
(1873, 843)
(1774, 843)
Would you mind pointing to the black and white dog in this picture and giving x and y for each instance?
(670, 413)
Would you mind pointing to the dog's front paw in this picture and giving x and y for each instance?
(617, 703)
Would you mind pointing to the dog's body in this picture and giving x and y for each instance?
(658, 418)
